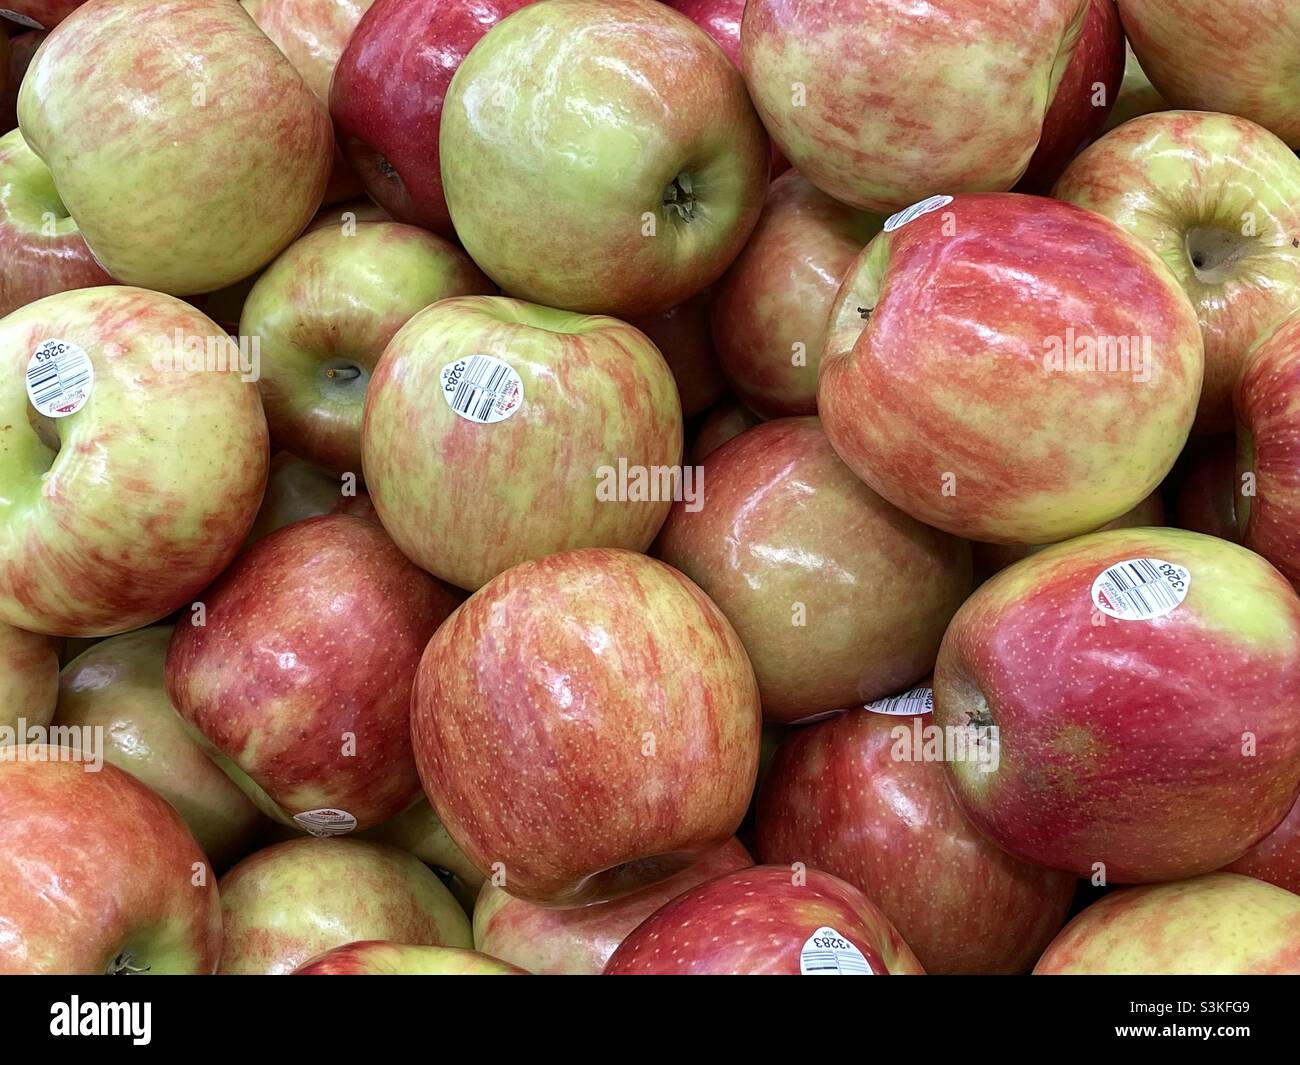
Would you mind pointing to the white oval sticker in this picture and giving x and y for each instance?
(1139, 589)
(60, 377)
(917, 701)
(482, 389)
(22, 20)
(908, 214)
(827, 953)
(326, 822)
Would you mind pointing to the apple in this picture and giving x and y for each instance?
(418, 830)
(729, 418)
(838, 596)
(299, 677)
(839, 798)
(771, 307)
(683, 336)
(227, 168)
(21, 49)
(40, 14)
(387, 98)
(1137, 96)
(43, 249)
(497, 431)
(297, 490)
(141, 482)
(1206, 499)
(1083, 101)
(1268, 414)
(1221, 924)
(323, 313)
(117, 686)
(98, 874)
(1010, 368)
(378, 958)
(1276, 857)
(312, 34)
(1235, 56)
(1232, 246)
(1141, 682)
(616, 667)
(288, 903)
(578, 942)
(568, 201)
(29, 677)
(766, 921)
(880, 107)
(990, 558)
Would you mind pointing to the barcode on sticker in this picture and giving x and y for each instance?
(917, 701)
(1139, 589)
(326, 822)
(932, 203)
(59, 378)
(827, 953)
(482, 388)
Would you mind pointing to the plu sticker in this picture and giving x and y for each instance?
(482, 389)
(917, 701)
(827, 953)
(1140, 589)
(22, 20)
(909, 214)
(326, 822)
(60, 377)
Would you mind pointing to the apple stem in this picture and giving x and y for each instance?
(679, 197)
(124, 965)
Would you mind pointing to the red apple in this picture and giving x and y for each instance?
(299, 677)
(387, 97)
(287, 904)
(1089, 89)
(377, 958)
(1141, 683)
(29, 676)
(771, 307)
(1210, 925)
(767, 921)
(1206, 500)
(839, 798)
(578, 942)
(682, 335)
(728, 419)
(616, 668)
(1276, 857)
(838, 597)
(968, 317)
(98, 874)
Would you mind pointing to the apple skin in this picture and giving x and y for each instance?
(1219, 924)
(1221, 55)
(49, 13)
(683, 336)
(418, 830)
(117, 685)
(1241, 286)
(1122, 741)
(595, 392)
(838, 800)
(1276, 857)
(387, 98)
(297, 490)
(1268, 414)
(616, 667)
(29, 676)
(965, 307)
(1206, 499)
(754, 923)
(1074, 118)
(378, 958)
(290, 902)
(97, 871)
(155, 482)
(624, 211)
(325, 310)
(312, 35)
(37, 265)
(1137, 96)
(879, 108)
(779, 292)
(784, 523)
(260, 137)
(311, 636)
(728, 419)
(578, 942)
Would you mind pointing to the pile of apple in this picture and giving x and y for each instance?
(649, 487)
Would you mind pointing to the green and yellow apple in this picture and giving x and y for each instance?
(29, 676)
(297, 490)
(1137, 96)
